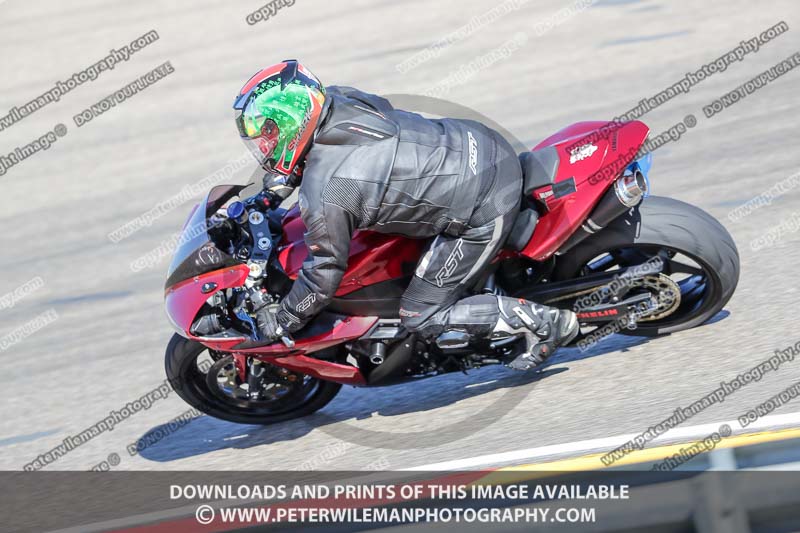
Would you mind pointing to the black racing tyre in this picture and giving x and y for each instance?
(672, 229)
(305, 396)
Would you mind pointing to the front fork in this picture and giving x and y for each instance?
(240, 361)
(252, 370)
(254, 376)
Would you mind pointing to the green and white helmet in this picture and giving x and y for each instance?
(277, 113)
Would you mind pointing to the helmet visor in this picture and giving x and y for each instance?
(260, 135)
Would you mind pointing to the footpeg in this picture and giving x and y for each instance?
(453, 340)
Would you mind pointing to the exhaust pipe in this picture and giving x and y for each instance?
(626, 193)
(631, 189)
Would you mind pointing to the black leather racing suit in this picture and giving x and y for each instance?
(374, 167)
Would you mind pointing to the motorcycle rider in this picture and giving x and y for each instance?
(361, 164)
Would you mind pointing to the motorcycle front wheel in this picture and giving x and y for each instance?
(208, 381)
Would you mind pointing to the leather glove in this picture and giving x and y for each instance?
(267, 322)
(276, 186)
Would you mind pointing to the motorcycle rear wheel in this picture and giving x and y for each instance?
(673, 230)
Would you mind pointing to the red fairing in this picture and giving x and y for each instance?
(294, 359)
(345, 330)
(374, 257)
(593, 154)
(184, 299)
(327, 370)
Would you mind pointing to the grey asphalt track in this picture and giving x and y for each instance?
(106, 347)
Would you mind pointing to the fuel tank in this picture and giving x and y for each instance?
(374, 257)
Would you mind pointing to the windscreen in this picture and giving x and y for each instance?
(195, 254)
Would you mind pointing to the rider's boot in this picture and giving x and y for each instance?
(544, 328)
(500, 317)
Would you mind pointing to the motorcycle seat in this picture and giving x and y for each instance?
(539, 168)
(522, 230)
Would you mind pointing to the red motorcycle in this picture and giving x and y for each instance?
(582, 240)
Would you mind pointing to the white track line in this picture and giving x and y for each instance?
(773, 422)
(570, 449)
